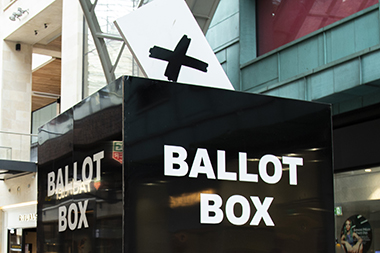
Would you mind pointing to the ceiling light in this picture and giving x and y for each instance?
(13, 16)
(18, 14)
(20, 11)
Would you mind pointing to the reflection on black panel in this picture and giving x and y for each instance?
(80, 177)
(205, 170)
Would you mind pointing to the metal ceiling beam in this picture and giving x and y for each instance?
(99, 39)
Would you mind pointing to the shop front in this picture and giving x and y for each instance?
(20, 228)
(18, 206)
(357, 177)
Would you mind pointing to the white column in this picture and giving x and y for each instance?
(15, 99)
(3, 248)
(72, 51)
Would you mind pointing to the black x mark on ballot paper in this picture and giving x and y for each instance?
(177, 58)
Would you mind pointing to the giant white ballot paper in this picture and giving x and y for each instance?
(168, 44)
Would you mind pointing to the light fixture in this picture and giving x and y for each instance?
(18, 14)
(20, 11)
(29, 203)
(13, 16)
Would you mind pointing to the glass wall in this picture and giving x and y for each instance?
(357, 208)
(107, 11)
(282, 21)
(41, 116)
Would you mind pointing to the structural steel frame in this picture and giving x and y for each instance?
(203, 19)
(99, 40)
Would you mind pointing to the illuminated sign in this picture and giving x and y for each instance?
(27, 217)
(16, 247)
(117, 151)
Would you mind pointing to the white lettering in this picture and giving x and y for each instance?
(63, 187)
(201, 156)
(222, 173)
(97, 157)
(62, 222)
(66, 176)
(243, 174)
(75, 174)
(208, 208)
(75, 184)
(262, 211)
(175, 164)
(87, 162)
(60, 184)
(50, 184)
(70, 217)
(212, 213)
(170, 160)
(292, 162)
(264, 172)
(246, 210)
(83, 187)
(83, 218)
(73, 212)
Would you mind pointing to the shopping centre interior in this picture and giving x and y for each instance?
(55, 53)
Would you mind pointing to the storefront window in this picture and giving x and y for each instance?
(357, 210)
(22, 240)
(14, 240)
(282, 21)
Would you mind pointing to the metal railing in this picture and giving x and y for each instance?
(18, 146)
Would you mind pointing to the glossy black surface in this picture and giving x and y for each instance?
(139, 209)
(162, 213)
(88, 128)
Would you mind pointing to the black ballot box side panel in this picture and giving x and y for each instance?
(79, 175)
(55, 150)
(213, 128)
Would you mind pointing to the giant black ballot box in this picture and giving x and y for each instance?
(153, 166)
